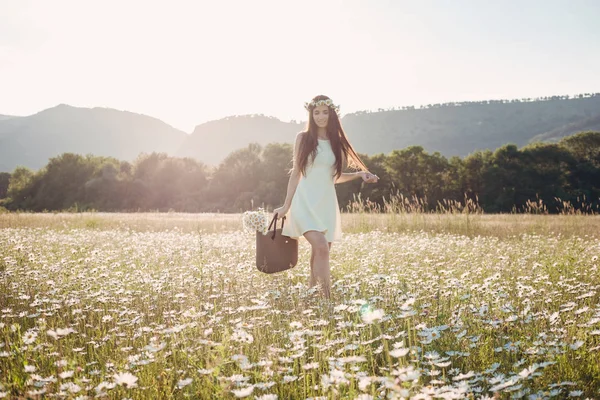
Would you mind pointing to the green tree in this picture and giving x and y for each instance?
(472, 173)
(416, 173)
(160, 182)
(545, 172)
(275, 161)
(21, 189)
(62, 184)
(4, 180)
(502, 178)
(583, 181)
(235, 179)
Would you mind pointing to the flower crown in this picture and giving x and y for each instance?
(327, 102)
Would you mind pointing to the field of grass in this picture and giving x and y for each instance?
(170, 306)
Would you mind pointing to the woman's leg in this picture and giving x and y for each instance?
(320, 263)
(312, 280)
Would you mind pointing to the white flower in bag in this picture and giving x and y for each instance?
(253, 221)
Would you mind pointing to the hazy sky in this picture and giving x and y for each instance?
(186, 62)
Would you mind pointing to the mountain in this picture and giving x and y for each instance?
(30, 141)
(586, 124)
(3, 117)
(453, 129)
(211, 142)
(458, 129)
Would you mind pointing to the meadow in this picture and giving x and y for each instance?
(170, 306)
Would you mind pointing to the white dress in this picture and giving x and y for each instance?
(315, 206)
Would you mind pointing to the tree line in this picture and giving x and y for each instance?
(484, 102)
(503, 180)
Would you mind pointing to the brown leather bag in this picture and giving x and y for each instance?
(275, 252)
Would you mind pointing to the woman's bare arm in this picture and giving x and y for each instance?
(349, 176)
(295, 175)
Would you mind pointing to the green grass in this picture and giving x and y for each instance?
(175, 301)
(499, 225)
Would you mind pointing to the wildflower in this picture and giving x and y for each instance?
(408, 374)
(310, 366)
(60, 332)
(66, 374)
(468, 375)
(442, 364)
(70, 386)
(184, 382)
(401, 352)
(245, 392)
(576, 345)
(364, 382)
(341, 307)
(264, 385)
(353, 359)
(153, 349)
(104, 385)
(371, 316)
(237, 378)
(29, 337)
(126, 379)
(242, 336)
(504, 385)
(203, 371)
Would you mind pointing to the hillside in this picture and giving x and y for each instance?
(213, 141)
(461, 128)
(32, 140)
(4, 117)
(586, 124)
(453, 129)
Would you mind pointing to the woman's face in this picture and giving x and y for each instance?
(321, 115)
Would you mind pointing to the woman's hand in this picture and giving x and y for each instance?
(281, 211)
(369, 177)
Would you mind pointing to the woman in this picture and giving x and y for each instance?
(311, 198)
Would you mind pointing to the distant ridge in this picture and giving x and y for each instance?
(31, 140)
(453, 129)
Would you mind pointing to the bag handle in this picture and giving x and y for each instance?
(275, 229)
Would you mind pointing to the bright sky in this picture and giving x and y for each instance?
(186, 62)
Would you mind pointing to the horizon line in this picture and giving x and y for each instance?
(369, 111)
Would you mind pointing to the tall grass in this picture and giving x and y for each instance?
(170, 306)
(403, 214)
(398, 214)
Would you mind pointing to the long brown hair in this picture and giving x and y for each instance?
(345, 156)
